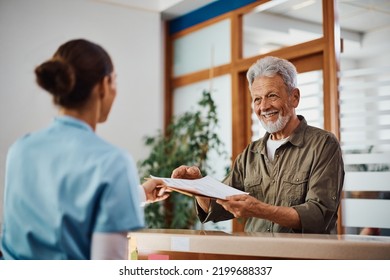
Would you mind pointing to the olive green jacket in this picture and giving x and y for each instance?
(306, 174)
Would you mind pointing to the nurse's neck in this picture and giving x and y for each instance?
(83, 115)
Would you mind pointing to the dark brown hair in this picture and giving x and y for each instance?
(75, 68)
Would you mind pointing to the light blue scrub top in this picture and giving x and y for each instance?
(62, 184)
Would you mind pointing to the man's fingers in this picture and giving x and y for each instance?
(179, 172)
(194, 172)
(186, 172)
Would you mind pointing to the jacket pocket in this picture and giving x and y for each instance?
(294, 188)
(253, 187)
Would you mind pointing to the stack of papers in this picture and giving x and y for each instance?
(206, 186)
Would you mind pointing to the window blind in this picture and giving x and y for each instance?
(365, 141)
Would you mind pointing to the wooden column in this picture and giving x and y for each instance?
(331, 67)
(168, 72)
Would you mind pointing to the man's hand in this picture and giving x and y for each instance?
(155, 190)
(192, 172)
(186, 172)
(246, 206)
(242, 205)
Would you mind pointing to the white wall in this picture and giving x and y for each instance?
(31, 31)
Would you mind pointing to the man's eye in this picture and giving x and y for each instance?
(273, 96)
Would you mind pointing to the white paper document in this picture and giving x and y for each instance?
(206, 186)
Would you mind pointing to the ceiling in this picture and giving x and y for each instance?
(365, 24)
(168, 8)
(183, 7)
(356, 15)
(364, 15)
(358, 18)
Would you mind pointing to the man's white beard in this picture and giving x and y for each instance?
(278, 125)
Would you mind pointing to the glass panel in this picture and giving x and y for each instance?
(367, 180)
(358, 216)
(310, 104)
(365, 113)
(280, 23)
(186, 99)
(202, 49)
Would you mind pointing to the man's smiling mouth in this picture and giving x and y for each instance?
(267, 115)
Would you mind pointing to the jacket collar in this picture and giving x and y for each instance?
(71, 121)
(296, 138)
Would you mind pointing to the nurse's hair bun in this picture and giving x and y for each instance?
(56, 76)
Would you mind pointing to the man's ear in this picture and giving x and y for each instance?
(295, 97)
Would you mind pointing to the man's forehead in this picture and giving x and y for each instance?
(264, 81)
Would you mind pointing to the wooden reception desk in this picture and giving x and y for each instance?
(206, 245)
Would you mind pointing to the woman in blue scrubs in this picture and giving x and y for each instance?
(69, 194)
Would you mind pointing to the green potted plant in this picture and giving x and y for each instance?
(188, 139)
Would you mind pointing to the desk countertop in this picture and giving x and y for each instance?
(268, 245)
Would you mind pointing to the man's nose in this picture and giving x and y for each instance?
(264, 105)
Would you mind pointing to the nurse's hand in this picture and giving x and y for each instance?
(155, 190)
